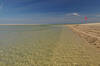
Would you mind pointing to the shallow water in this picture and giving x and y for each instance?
(44, 45)
(27, 45)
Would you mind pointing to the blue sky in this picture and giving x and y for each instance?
(48, 11)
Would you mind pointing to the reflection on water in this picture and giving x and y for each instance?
(28, 45)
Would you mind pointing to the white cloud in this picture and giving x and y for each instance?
(75, 14)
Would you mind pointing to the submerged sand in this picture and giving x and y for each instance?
(45, 45)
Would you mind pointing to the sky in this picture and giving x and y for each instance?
(48, 11)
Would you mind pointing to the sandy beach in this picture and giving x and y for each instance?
(90, 32)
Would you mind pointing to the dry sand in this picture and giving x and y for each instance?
(90, 32)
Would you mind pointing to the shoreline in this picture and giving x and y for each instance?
(54, 24)
(19, 24)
